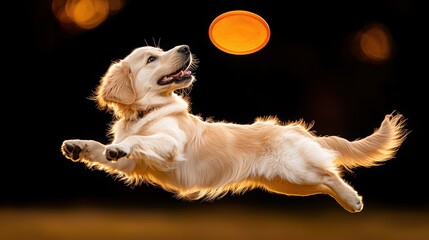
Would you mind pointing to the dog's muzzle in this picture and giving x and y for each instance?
(183, 73)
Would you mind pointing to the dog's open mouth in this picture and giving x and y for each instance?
(181, 75)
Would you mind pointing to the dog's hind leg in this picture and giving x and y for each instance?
(344, 191)
(292, 189)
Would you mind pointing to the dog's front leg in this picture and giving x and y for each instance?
(94, 153)
(159, 147)
(84, 150)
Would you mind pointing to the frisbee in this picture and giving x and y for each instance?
(239, 32)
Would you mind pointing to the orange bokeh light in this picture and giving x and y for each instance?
(84, 14)
(87, 13)
(239, 32)
(373, 43)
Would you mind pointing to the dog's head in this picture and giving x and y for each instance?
(145, 78)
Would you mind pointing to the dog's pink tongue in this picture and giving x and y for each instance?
(177, 74)
(181, 74)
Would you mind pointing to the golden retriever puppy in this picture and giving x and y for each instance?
(155, 139)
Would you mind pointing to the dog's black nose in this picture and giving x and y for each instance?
(184, 49)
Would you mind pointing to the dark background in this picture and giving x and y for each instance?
(307, 70)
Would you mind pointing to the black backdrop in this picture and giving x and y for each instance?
(305, 71)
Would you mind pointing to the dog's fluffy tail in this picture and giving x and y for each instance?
(378, 147)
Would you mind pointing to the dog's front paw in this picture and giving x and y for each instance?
(114, 153)
(71, 150)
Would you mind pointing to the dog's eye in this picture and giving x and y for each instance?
(151, 59)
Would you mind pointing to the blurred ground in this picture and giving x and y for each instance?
(226, 222)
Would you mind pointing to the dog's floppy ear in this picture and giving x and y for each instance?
(116, 86)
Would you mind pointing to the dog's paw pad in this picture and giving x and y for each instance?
(114, 154)
(71, 151)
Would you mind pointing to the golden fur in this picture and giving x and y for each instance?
(156, 139)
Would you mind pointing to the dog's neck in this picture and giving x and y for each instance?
(142, 112)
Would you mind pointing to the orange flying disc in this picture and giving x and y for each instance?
(239, 32)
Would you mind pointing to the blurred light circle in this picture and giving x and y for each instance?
(239, 32)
